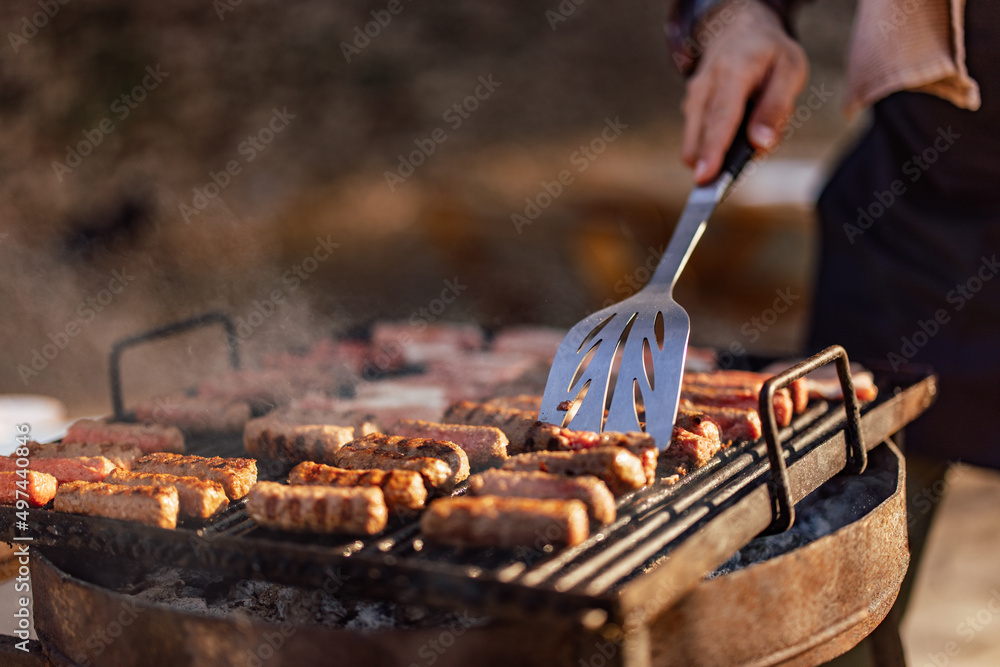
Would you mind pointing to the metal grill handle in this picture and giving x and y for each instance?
(857, 456)
(114, 361)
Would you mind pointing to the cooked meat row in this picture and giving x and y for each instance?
(738, 397)
(195, 414)
(318, 509)
(403, 489)
(197, 498)
(236, 475)
(83, 468)
(150, 505)
(147, 437)
(733, 423)
(505, 522)
(485, 446)
(513, 484)
(38, 488)
(797, 389)
(121, 456)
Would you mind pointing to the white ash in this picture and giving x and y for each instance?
(214, 595)
(839, 502)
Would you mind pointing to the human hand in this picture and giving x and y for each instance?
(751, 55)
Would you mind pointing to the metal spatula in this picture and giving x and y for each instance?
(588, 389)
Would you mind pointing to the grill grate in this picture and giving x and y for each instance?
(687, 528)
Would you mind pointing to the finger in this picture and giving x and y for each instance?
(694, 117)
(722, 118)
(777, 99)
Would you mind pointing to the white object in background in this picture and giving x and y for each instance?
(45, 416)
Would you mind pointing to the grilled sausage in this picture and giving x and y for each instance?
(485, 446)
(318, 509)
(150, 505)
(195, 414)
(235, 475)
(449, 452)
(273, 437)
(697, 449)
(505, 522)
(38, 488)
(516, 424)
(197, 498)
(619, 468)
(401, 488)
(122, 456)
(512, 484)
(79, 469)
(733, 423)
(739, 397)
(437, 474)
(797, 389)
(147, 437)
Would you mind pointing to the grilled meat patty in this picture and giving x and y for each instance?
(78, 469)
(147, 437)
(236, 475)
(485, 446)
(273, 437)
(619, 468)
(403, 489)
(150, 505)
(318, 509)
(122, 456)
(513, 484)
(38, 488)
(198, 498)
(505, 522)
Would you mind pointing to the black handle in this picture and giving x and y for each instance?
(741, 152)
(114, 361)
(857, 455)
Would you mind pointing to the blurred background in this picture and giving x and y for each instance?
(312, 167)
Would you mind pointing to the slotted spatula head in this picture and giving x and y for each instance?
(624, 364)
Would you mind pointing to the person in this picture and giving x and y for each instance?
(909, 222)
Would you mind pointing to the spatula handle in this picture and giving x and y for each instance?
(740, 153)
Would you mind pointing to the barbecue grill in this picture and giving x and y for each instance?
(615, 599)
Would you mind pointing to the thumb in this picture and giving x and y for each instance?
(775, 104)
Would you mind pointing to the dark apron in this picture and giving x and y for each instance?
(913, 276)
